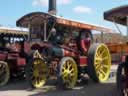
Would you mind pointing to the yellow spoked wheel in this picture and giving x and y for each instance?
(37, 72)
(122, 79)
(68, 72)
(99, 62)
(4, 73)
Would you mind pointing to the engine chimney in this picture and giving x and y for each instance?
(52, 7)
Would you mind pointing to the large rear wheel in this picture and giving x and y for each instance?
(68, 72)
(122, 79)
(99, 62)
(37, 71)
(4, 73)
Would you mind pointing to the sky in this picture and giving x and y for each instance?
(90, 11)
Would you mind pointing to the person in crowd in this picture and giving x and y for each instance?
(85, 40)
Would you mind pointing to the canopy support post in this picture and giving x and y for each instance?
(127, 24)
(45, 30)
(102, 37)
(29, 28)
(117, 27)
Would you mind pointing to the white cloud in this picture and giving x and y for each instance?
(40, 3)
(45, 2)
(82, 9)
(62, 2)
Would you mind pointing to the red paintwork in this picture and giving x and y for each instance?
(20, 61)
(36, 46)
(40, 46)
(83, 60)
(17, 59)
(26, 47)
(3, 56)
(70, 49)
(69, 53)
(13, 55)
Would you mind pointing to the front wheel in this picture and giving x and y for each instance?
(36, 72)
(68, 72)
(99, 62)
(4, 73)
(122, 79)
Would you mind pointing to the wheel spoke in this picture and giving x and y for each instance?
(70, 67)
(105, 58)
(72, 70)
(43, 72)
(69, 64)
(102, 73)
(98, 54)
(64, 74)
(42, 77)
(105, 66)
(102, 53)
(97, 62)
(64, 71)
(2, 72)
(98, 59)
(97, 67)
(65, 65)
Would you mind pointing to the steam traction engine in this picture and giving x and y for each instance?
(63, 49)
(119, 15)
(12, 54)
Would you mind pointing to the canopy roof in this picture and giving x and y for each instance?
(13, 31)
(32, 18)
(118, 15)
(39, 17)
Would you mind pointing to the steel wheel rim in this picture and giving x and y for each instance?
(39, 73)
(4, 73)
(69, 73)
(102, 62)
